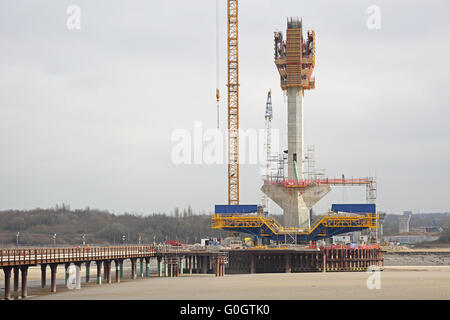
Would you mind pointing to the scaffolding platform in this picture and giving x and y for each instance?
(268, 228)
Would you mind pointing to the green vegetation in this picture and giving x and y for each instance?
(38, 226)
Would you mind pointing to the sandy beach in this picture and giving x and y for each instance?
(412, 282)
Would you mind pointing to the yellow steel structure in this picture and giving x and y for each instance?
(233, 103)
(269, 227)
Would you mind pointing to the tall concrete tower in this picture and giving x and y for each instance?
(295, 61)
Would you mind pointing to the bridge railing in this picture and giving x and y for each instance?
(71, 254)
(301, 183)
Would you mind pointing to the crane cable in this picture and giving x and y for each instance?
(217, 61)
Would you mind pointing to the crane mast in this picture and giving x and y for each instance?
(233, 102)
(268, 146)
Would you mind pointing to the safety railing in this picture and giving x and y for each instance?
(72, 254)
(301, 183)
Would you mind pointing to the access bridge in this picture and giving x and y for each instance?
(171, 262)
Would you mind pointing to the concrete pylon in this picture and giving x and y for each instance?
(296, 202)
(295, 133)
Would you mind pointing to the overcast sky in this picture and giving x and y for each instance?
(86, 116)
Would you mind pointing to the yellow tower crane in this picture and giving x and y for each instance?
(233, 102)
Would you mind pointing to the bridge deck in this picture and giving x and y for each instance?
(34, 256)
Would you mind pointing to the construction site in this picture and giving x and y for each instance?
(286, 182)
(345, 240)
(301, 244)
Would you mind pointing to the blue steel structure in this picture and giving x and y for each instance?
(240, 208)
(354, 207)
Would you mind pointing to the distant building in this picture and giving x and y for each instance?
(382, 215)
(403, 222)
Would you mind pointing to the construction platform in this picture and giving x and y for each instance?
(268, 228)
(175, 261)
(286, 260)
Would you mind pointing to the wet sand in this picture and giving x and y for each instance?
(402, 282)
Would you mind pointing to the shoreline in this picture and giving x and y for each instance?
(397, 282)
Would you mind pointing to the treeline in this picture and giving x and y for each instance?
(96, 227)
(99, 227)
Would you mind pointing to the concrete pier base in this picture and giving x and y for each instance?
(295, 202)
(53, 269)
(66, 272)
(147, 267)
(181, 268)
(88, 271)
(16, 281)
(205, 264)
(7, 272)
(78, 275)
(117, 264)
(24, 276)
(197, 263)
(43, 275)
(133, 269)
(107, 271)
(190, 264)
(99, 272)
(159, 263)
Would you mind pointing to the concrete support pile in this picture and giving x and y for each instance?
(133, 269)
(117, 263)
(99, 272)
(170, 264)
(325, 259)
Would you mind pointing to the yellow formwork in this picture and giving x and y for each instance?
(223, 221)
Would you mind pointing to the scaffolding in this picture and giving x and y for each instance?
(268, 148)
(371, 191)
(310, 163)
(295, 57)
